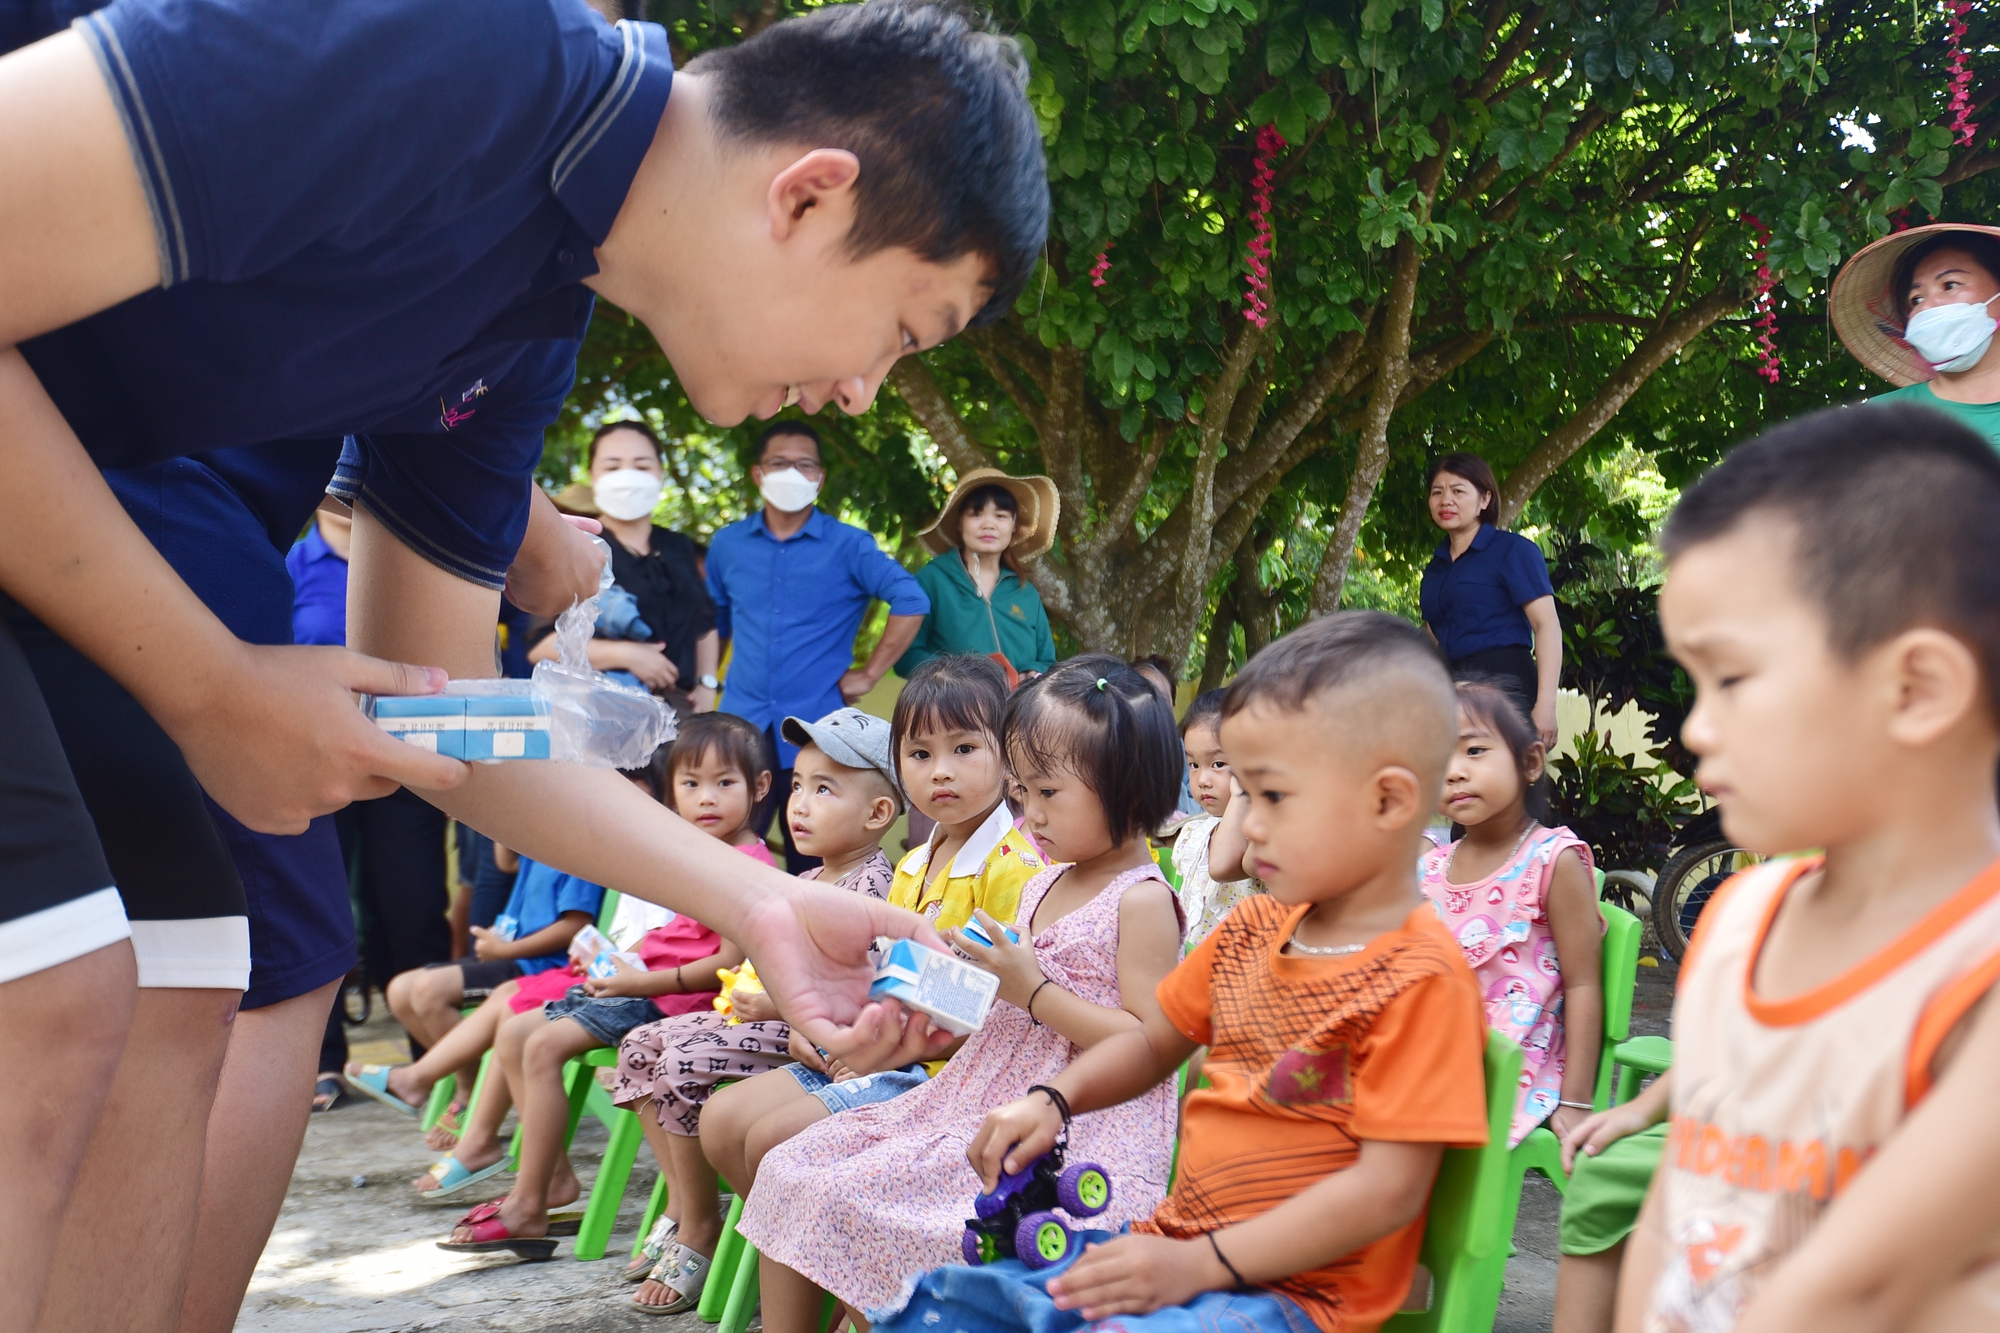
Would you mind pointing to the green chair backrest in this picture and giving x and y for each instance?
(1471, 1217)
(1163, 857)
(1619, 967)
(607, 911)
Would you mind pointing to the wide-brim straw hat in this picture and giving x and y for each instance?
(577, 498)
(1034, 524)
(1867, 314)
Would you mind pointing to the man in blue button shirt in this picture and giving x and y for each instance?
(790, 585)
(221, 226)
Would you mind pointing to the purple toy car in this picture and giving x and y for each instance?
(1015, 1220)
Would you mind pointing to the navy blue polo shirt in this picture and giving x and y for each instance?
(1474, 603)
(374, 218)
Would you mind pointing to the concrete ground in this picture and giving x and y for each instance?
(354, 1252)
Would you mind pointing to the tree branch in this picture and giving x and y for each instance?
(929, 405)
(1298, 412)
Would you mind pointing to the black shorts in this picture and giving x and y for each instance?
(56, 896)
(481, 976)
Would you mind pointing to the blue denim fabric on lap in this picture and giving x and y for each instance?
(1007, 1298)
(607, 1018)
(863, 1091)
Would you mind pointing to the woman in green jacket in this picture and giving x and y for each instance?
(980, 604)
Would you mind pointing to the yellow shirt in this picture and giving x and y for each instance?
(988, 873)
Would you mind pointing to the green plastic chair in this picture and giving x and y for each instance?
(1471, 1217)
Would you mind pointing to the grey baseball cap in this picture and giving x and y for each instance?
(850, 737)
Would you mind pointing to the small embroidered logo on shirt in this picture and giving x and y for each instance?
(451, 416)
(476, 391)
(1311, 1078)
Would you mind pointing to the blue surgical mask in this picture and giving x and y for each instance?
(1952, 337)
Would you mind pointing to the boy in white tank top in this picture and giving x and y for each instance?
(1834, 1157)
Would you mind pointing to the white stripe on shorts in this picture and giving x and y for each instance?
(55, 935)
(206, 953)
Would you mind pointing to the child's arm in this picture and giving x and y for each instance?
(1578, 929)
(1227, 847)
(1916, 1218)
(552, 938)
(1384, 1191)
(687, 979)
(505, 859)
(1149, 945)
(1641, 1270)
(1600, 1131)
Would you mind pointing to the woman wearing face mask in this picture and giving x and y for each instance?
(980, 604)
(678, 657)
(1919, 309)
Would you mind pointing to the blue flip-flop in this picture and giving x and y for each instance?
(453, 1176)
(373, 1081)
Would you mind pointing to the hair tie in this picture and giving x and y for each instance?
(1101, 683)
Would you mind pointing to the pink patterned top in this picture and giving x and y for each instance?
(867, 1201)
(1502, 923)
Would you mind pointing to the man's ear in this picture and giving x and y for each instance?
(824, 177)
(1398, 798)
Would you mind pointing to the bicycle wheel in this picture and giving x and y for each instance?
(1687, 881)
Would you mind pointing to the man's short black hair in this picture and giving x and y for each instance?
(1331, 652)
(1096, 717)
(1896, 515)
(780, 429)
(934, 105)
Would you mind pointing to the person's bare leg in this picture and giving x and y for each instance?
(791, 1300)
(691, 1180)
(482, 1143)
(64, 1036)
(787, 1122)
(144, 1162)
(731, 1112)
(423, 1003)
(544, 1116)
(456, 1052)
(254, 1131)
(1587, 1291)
(656, 1139)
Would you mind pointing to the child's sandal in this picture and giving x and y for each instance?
(653, 1249)
(684, 1272)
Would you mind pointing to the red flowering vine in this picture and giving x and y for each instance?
(1257, 284)
(1961, 74)
(1766, 308)
(1101, 267)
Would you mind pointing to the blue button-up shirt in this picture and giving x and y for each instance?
(374, 218)
(1474, 602)
(792, 609)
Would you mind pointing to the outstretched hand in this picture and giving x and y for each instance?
(810, 943)
(1137, 1274)
(1012, 1136)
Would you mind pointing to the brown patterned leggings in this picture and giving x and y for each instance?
(678, 1061)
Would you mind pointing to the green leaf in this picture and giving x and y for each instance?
(1201, 163)
(1329, 44)
(1170, 160)
(1433, 13)
(1929, 196)
(1283, 45)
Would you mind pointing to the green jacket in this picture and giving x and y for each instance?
(961, 622)
(1983, 418)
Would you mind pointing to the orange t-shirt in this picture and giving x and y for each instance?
(1307, 1057)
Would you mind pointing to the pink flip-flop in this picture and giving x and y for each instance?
(490, 1235)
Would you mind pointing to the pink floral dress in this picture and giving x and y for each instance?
(1502, 923)
(866, 1202)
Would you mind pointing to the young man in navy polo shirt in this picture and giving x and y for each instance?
(221, 225)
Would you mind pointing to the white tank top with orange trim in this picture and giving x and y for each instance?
(1777, 1104)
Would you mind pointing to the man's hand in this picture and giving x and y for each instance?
(557, 564)
(702, 699)
(810, 942)
(277, 739)
(1545, 723)
(856, 684)
(1013, 1136)
(1137, 1274)
(488, 945)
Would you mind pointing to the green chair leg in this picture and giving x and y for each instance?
(607, 1192)
(730, 1253)
(742, 1293)
(1540, 1151)
(654, 1207)
(440, 1102)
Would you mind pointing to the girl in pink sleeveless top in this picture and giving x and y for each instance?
(1519, 897)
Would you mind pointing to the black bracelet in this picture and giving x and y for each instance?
(1060, 1102)
(1046, 981)
(1224, 1260)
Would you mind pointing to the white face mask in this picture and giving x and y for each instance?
(627, 493)
(788, 492)
(1952, 337)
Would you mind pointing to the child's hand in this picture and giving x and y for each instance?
(487, 945)
(622, 983)
(753, 1006)
(805, 1053)
(1013, 1136)
(1014, 964)
(1592, 1134)
(1137, 1274)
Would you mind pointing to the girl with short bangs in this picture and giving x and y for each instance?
(865, 1203)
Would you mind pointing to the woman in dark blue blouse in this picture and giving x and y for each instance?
(1487, 598)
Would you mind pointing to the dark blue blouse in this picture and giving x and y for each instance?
(1474, 603)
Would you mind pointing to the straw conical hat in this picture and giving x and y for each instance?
(1867, 315)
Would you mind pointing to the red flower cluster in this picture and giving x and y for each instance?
(1258, 284)
(1767, 310)
(1101, 267)
(1961, 74)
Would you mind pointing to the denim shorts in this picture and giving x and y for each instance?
(608, 1019)
(863, 1091)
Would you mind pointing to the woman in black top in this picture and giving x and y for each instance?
(658, 567)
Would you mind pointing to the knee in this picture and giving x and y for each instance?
(541, 1052)
(397, 992)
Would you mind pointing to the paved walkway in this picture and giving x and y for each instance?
(361, 1258)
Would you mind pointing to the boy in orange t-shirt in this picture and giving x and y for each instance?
(1344, 1029)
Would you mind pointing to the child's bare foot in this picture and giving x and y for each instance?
(564, 1188)
(676, 1284)
(471, 1160)
(658, 1241)
(444, 1134)
(521, 1222)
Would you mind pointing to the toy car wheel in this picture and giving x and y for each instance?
(1041, 1240)
(969, 1246)
(989, 1206)
(1084, 1190)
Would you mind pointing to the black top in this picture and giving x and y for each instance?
(666, 582)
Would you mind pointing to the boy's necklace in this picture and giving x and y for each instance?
(1451, 862)
(1329, 951)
